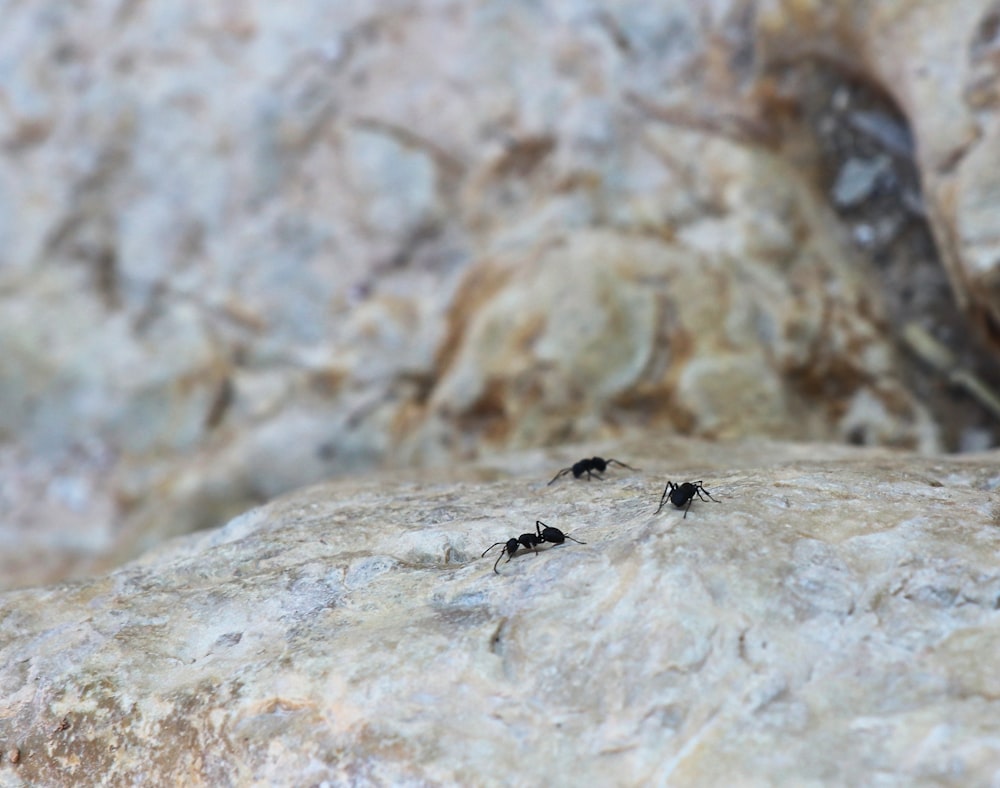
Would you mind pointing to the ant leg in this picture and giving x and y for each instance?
(563, 472)
(510, 554)
(663, 499)
(690, 501)
(699, 488)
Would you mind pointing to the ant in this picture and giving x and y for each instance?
(595, 465)
(530, 542)
(680, 494)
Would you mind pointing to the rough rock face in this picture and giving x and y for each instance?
(832, 619)
(248, 248)
(605, 331)
(941, 64)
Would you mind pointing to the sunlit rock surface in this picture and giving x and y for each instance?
(831, 620)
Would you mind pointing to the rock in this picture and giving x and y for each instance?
(241, 252)
(833, 601)
(951, 109)
(600, 332)
(858, 179)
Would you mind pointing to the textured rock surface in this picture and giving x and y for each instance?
(941, 64)
(248, 248)
(833, 619)
(606, 331)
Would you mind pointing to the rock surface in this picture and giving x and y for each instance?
(940, 63)
(831, 620)
(248, 248)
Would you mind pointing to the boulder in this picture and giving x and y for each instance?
(831, 619)
(253, 248)
(939, 63)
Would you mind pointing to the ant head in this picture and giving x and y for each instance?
(599, 464)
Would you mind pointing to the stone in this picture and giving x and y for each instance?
(241, 252)
(858, 179)
(601, 332)
(830, 619)
(938, 62)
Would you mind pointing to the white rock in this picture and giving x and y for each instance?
(832, 620)
(240, 246)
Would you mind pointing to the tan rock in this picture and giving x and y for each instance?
(246, 250)
(938, 62)
(603, 332)
(828, 620)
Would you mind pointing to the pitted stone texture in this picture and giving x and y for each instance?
(834, 601)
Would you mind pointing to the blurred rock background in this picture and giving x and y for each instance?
(249, 246)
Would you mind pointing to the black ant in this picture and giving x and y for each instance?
(595, 465)
(680, 494)
(530, 542)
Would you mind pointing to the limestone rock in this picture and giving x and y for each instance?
(939, 62)
(247, 249)
(600, 332)
(830, 620)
